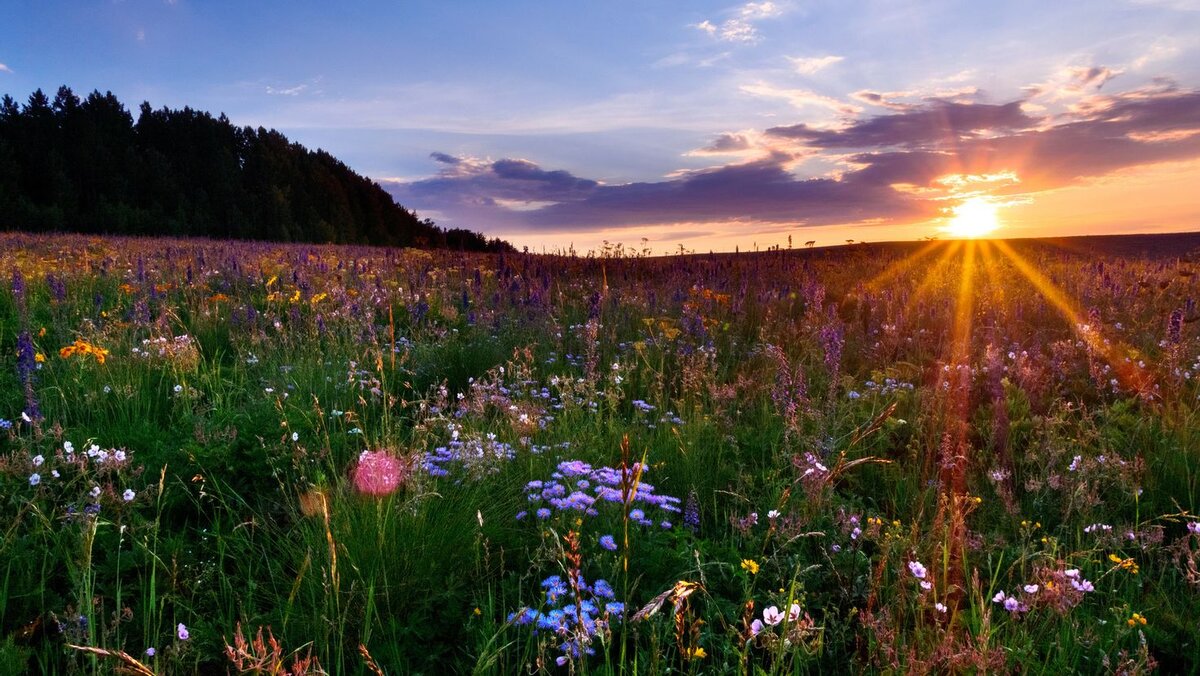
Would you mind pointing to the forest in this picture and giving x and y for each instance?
(72, 164)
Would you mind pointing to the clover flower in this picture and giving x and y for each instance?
(378, 473)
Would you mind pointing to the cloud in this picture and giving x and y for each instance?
(726, 143)
(5, 69)
(936, 122)
(802, 98)
(287, 91)
(898, 167)
(1072, 82)
(813, 64)
(741, 26)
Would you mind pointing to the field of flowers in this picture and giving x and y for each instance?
(225, 457)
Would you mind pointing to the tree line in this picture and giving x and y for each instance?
(85, 165)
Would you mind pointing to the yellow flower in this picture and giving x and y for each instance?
(39, 357)
(478, 612)
(750, 566)
(696, 653)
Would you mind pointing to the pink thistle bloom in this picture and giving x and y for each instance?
(378, 473)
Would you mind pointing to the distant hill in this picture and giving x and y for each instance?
(85, 165)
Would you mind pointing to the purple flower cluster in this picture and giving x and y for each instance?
(577, 486)
(576, 621)
(479, 457)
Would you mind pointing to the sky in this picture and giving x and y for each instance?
(663, 124)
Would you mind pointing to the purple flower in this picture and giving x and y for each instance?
(182, 632)
(607, 542)
(917, 569)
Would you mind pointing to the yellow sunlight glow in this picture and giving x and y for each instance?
(975, 217)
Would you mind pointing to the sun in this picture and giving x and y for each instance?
(975, 217)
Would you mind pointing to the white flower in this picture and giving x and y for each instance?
(119, 456)
(95, 492)
(129, 495)
(940, 607)
(295, 436)
(1031, 588)
(794, 613)
(178, 389)
(68, 447)
(38, 460)
(773, 514)
(999, 597)
(35, 479)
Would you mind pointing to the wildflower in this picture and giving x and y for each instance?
(128, 495)
(794, 613)
(1031, 589)
(38, 460)
(695, 653)
(773, 514)
(917, 569)
(926, 585)
(1194, 527)
(150, 652)
(772, 616)
(378, 473)
(1083, 586)
(119, 456)
(543, 513)
(750, 566)
(1136, 619)
(295, 436)
(607, 542)
(940, 607)
(1012, 605)
(182, 632)
(35, 479)
(756, 627)
(999, 597)
(95, 492)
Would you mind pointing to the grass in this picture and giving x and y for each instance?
(820, 425)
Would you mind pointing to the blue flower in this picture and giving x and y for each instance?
(607, 542)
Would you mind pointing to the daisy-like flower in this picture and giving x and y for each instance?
(607, 542)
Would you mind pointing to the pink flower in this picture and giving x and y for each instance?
(378, 473)
(772, 616)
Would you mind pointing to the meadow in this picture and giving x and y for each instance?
(224, 457)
